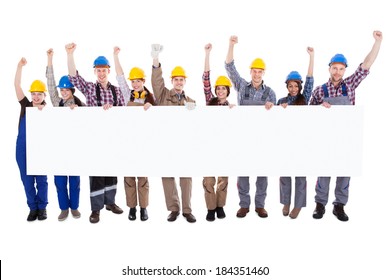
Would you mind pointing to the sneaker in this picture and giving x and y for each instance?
(75, 213)
(319, 211)
(42, 215)
(220, 213)
(63, 215)
(210, 215)
(338, 211)
(32, 216)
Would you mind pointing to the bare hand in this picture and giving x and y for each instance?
(50, 53)
(116, 50)
(377, 35)
(326, 104)
(233, 40)
(284, 105)
(22, 62)
(107, 106)
(268, 105)
(70, 48)
(147, 105)
(208, 47)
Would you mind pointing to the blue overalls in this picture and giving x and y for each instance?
(261, 181)
(342, 183)
(36, 196)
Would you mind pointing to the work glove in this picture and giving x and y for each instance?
(156, 49)
(189, 105)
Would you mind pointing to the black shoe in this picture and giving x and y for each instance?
(132, 215)
(144, 214)
(173, 216)
(32, 216)
(220, 213)
(189, 217)
(338, 211)
(42, 215)
(319, 211)
(210, 215)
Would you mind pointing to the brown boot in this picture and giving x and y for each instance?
(241, 213)
(286, 209)
(294, 213)
(262, 212)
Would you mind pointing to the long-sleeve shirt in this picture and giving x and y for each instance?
(240, 85)
(307, 89)
(165, 96)
(53, 92)
(89, 90)
(207, 89)
(351, 83)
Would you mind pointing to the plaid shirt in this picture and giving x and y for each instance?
(207, 89)
(240, 84)
(351, 84)
(89, 90)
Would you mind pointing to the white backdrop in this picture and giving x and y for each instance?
(278, 32)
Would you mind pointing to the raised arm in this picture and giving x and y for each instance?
(207, 49)
(51, 84)
(310, 51)
(18, 79)
(70, 48)
(232, 41)
(156, 49)
(371, 56)
(118, 66)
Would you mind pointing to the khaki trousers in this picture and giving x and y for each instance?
(171, 196)
(214, 198)
(131, 191)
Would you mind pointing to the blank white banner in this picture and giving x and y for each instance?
(206, 141)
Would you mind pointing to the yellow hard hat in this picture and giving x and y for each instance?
(136, 74)
(38, 86)
(258, 63)
(178, 71)
(223, 81)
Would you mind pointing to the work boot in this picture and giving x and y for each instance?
(294, 213)
(286, 209)
(63, 215)
(241, 213)
(75, 213)
(210, 215)
(319, 211)
(261, 212)
(42, 215)
(220, 213)
(95, 217)
(338, 211)
(32, 216)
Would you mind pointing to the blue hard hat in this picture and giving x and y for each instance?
(338, 58)
(65, 83)
(294, 76)
(101, 61)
